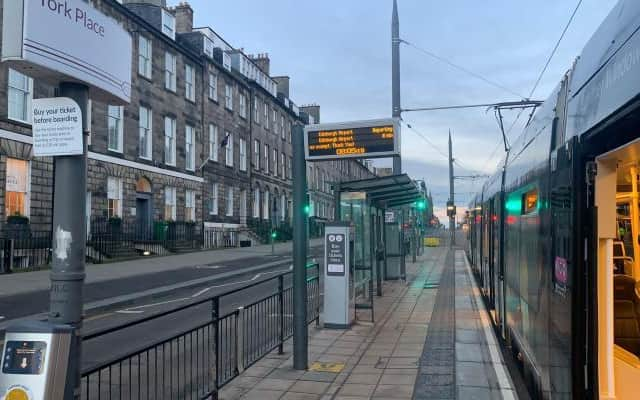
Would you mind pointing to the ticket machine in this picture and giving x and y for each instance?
(35, 357)
(339, 301)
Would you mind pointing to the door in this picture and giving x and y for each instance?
(143, 215)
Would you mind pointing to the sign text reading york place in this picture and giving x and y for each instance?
(360, 139)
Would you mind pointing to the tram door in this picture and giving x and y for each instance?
(491, 240)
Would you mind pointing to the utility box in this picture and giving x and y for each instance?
(339, 301)
(35, 357)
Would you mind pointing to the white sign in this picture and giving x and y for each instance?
(57, 127)
(389, 217)
(57, 40)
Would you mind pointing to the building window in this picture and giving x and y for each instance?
(190, 205)
(256, 110)
(213, 87)
(243, 207)
(114, 197)
(275, 162)
(266, 115)
(116, 127)
(169, 141)
(265, 205)
(170, 71)
(256, 203)
(283, 206)
(266, 158)
(228, 96)
(290, 130)
(256, 154)
(282, 133)
(290, 167)
(20, 96)
(283, 166)
(274, 121)
(243, 106)
(168, 24)
(146, 135)
(213, 208)
(213, 142)
(230, 201)
(144, 56)
(243, 155)
(190, 153)
(16, 188)
(189, 83)
(169, 203)
(229, 148)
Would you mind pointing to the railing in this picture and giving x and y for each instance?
(24, 252)
(263, 228)
(220, 238)
(201, 360)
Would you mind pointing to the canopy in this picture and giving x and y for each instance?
(385, 192)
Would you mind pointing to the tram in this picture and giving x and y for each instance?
(554, 234)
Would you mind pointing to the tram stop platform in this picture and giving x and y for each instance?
(431, 339)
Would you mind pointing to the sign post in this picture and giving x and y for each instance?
(87, 53)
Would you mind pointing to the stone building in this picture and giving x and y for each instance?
(205, 139)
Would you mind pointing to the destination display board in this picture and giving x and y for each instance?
(358, 139)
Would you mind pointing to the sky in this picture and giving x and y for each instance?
(338, 55)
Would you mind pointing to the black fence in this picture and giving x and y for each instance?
(195, 364)
(25, 251)
(264, 228)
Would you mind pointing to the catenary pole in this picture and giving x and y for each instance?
(452, 218)
(395, 77)
(69, 241)
(300, 333)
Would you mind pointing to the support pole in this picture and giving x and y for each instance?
(69, 241)
(300, 223)
(395, 76)
(452, 218)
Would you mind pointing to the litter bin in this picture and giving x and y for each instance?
(160, 229)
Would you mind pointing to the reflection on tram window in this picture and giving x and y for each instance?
(530, 202)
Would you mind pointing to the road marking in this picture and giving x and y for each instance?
(95, 317)
(209, 266)
(130, 312)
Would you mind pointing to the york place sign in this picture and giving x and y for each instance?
(68, 40)
(57, 127)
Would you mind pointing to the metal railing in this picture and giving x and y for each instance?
(28, 251)
(196, 363)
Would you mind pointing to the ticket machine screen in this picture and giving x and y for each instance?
(24, 358)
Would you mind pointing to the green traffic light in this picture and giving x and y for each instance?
(274, 234)
(307, 209)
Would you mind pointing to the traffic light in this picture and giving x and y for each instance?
(274, 234)
(307, 205)
(421, 204)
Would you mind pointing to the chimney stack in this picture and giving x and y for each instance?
(184, 17)
(283, 85)
(313, 110)
(262, 61)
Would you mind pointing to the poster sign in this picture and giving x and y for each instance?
(561, 276)
(389, 217)
(57, 127)
(335, 248)
(68, 40)
(358, 139)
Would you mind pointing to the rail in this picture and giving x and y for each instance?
(196, 363)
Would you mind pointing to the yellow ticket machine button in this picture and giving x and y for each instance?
(17, 394)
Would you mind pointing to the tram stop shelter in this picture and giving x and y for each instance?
(378, 209)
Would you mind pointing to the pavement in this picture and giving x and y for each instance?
(431, 339)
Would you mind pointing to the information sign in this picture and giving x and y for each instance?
(335, 254)
(359, 139)
(57, 127)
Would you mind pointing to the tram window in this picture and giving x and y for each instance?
(530, 201)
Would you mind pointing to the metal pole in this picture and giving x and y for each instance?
(452, 222)
(69, 241)
(395, 77)
(300, 223)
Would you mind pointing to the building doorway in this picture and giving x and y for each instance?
(144, 207)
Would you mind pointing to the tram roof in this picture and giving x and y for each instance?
(386, 191)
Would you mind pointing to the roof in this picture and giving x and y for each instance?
(385, 192)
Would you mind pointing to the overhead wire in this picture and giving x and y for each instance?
(539, 79)
(463, 69)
